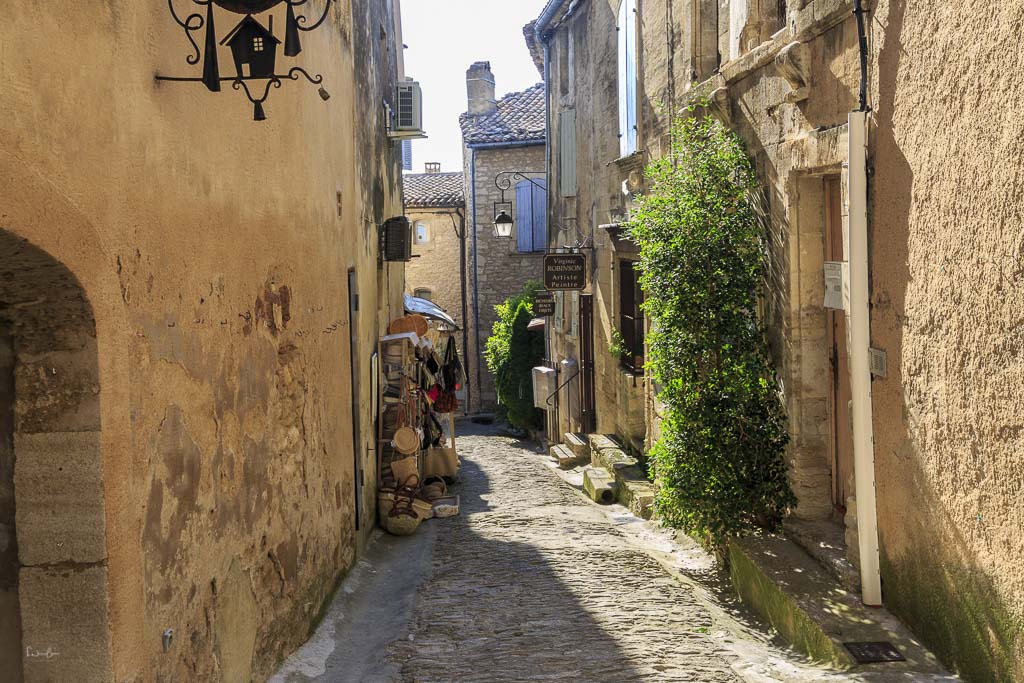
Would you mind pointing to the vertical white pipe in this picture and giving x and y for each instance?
(860, 364)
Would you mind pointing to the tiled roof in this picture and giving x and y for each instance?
(427, 190)
(520, 118)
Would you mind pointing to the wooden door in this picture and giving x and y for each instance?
(841, 422)
(357, 440)
(588, 414)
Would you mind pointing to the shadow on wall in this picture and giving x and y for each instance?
(930, 571)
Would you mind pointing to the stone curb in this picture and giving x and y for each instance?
(633, 489)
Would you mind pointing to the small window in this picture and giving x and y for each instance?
(423, 293)
(257, 44)
(631, 317)
(422, 233)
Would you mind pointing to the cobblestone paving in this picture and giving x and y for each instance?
(533, 583)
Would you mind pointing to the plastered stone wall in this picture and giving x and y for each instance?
(501, 270)
(589, 42)
(438, 264)
(946, 297)
(213, 253)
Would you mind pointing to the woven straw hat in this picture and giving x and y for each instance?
(406, 441)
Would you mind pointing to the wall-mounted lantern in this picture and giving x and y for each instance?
(503, 220)
(253, 45)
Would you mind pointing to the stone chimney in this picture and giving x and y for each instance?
(480, 86)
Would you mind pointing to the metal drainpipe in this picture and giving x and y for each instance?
(476, 275)
(465, 294)
(549, 337)
(860, 338)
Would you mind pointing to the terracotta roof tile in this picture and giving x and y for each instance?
(520, 118)
(426, 190)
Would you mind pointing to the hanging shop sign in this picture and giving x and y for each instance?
(565, 272)
(544, 304)
(254, 46)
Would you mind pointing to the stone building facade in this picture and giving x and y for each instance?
(436, 206)
(600, 390)
(498, 136)
(185, 408)
(939, 439)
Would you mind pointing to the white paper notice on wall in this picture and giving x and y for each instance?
(834, 284)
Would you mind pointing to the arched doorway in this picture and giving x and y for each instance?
(53, 574)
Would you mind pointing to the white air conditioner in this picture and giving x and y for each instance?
(408, 114)
(544, 386)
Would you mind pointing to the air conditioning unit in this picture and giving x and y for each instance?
(408, 114)
(544, 386)
(396, 239)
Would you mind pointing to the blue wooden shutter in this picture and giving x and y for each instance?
(623, 118)
(540, 216)
(627, 77)
(524, 215)
(567, 145)
(631, 69)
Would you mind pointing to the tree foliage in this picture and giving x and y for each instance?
(512, 351)
(720, 461)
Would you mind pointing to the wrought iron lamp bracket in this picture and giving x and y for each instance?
(503, 181)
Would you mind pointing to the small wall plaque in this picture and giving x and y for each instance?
(544, 304)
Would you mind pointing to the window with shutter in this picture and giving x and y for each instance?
(567, 143)
(627, 77)
(631, 318)
(531, 216)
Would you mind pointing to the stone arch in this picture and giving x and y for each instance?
(53, 549)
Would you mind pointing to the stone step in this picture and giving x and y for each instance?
(578, 444)
(632, 487)
(599, 484)
(565, 458)
(810, 610)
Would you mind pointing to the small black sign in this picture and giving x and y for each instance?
(544, 304)
(874, 653)
(565, 272)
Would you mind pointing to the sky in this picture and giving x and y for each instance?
(444, 38)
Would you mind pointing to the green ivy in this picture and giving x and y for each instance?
(512, 351)
(618, 347)
(719, 463)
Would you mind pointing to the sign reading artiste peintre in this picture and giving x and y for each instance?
(565, 272)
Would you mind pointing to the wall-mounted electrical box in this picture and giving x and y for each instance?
(834, 272)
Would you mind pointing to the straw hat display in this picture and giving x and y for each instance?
(406, 441)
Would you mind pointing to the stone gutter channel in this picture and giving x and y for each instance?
(787, 599)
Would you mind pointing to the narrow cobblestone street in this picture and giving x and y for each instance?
(535, 583)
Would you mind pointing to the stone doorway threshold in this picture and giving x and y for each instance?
(825, 541)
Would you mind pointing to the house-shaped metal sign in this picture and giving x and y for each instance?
(253, 45)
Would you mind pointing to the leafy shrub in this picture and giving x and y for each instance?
(512, 351)
(720, 461)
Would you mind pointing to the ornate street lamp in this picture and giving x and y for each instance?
(503, 223)
(503, 220)
(253, 44)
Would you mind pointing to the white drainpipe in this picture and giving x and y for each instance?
(860, 364)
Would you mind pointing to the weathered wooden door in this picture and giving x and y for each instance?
(357, 439)
(588, 414)
(841, 422)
